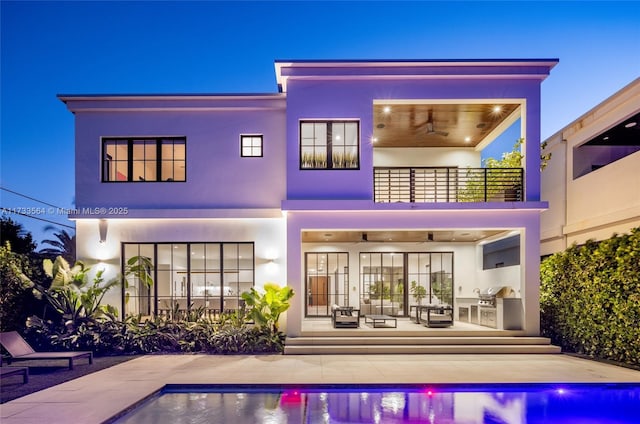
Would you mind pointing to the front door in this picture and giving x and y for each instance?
(318, 291)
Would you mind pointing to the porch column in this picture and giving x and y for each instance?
(294, 276)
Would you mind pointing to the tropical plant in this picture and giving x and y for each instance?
(419, 292)
(265, 307)
(63, 245)
(140, 268)
(71, 294)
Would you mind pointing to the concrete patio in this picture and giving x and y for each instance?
(97, 397)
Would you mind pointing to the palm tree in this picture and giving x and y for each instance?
(64, 245)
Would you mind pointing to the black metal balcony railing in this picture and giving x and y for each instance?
(430, 185)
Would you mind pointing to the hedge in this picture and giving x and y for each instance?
(590, 298)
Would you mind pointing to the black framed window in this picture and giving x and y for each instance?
(208, 277)
(250, 146)
(329, 145)
(144, 159)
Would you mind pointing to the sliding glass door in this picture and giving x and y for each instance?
(383, 284)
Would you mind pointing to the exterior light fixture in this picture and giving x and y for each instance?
(497, 109)
(386, 109)
(374, 139)
(631, 124)
(103, 225)
(467, 139)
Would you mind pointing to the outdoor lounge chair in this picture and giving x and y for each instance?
(9, 371)
(20, 350)
(345, 317)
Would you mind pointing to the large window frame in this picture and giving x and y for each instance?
(329, 144)
(144, 159)
(205, 276)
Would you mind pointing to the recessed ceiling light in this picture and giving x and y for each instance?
(630, 124)
(374, 139)
(386, 109)
(497, 109)
(338, 137)
(467, 139)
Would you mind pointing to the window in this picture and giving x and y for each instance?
(250, 146)
(208, 278)
(501, 253)
(329, 145)
(143, 159)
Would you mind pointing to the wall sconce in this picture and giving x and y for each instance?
(103, 225)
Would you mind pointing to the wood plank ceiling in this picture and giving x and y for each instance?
(436, 125)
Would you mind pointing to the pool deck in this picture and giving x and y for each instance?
(96, 397)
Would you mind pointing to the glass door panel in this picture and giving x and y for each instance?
(327, 282)
(383, 284)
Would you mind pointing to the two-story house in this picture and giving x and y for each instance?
(355, 183)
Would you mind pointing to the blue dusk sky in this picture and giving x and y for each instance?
(50, 48)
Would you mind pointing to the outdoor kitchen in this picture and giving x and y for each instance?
(494, 307)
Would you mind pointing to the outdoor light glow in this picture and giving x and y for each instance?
(497, 109)
(386, 109)
(467, 139)
(374, 139)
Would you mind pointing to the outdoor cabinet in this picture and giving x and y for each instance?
(474, 315)
(463, 314)
(488, 317)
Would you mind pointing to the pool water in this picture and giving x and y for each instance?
(441, 404)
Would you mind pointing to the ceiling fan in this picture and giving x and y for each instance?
(429, 126)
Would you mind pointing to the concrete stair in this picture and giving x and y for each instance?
(317, 344)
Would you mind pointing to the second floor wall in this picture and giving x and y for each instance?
(345, 98)
(165, 154)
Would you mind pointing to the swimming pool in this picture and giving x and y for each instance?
(442, 404)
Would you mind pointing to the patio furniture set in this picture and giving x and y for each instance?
(433, 316)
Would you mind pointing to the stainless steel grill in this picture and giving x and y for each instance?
(487, 297)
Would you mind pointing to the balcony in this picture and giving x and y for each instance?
(435, 185)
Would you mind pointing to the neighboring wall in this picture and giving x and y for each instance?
(602, 202)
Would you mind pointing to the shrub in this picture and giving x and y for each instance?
(590, 298)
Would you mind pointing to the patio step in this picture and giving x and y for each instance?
(422, 345)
